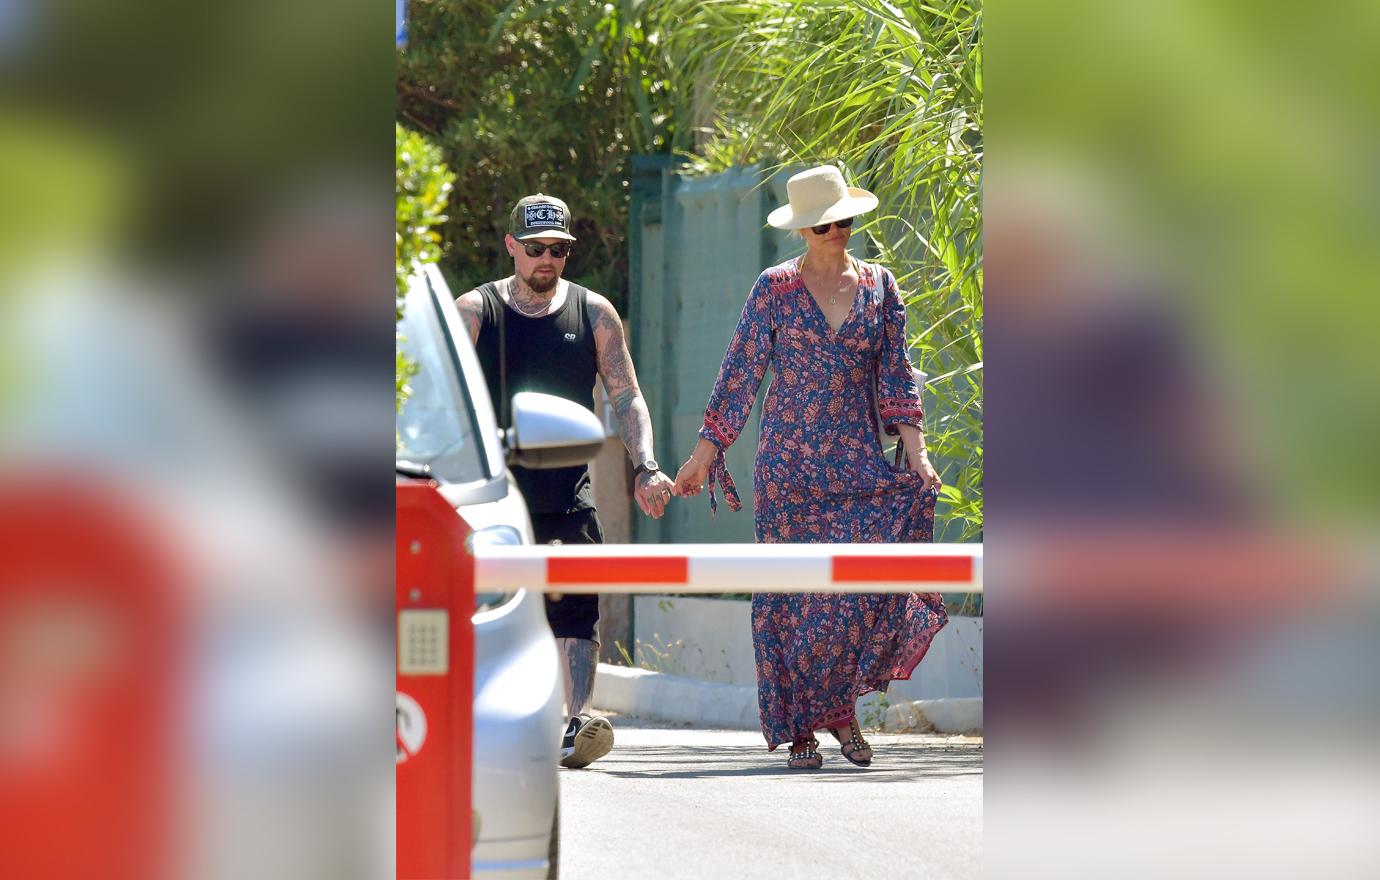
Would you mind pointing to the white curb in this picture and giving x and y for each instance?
(661, 697)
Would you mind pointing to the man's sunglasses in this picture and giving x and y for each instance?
(560, 250)
(841, 224)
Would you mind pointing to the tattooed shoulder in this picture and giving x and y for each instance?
(602, 315)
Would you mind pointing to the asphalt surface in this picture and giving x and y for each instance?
(671, 803)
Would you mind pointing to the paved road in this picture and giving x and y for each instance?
(673, 803)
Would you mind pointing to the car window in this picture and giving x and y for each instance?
(436, 427)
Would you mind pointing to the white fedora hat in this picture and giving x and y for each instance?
(818, 195)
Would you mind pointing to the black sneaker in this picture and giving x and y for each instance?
(587, 739)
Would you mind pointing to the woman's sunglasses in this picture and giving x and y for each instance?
(841, 224)
(560, 250)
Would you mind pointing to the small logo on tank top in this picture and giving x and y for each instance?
(570, 337)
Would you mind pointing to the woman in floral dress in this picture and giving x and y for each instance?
(832, 329)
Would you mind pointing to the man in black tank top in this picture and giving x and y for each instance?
(556, 338)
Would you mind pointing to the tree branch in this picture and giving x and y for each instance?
(417, 122)
(422, 94)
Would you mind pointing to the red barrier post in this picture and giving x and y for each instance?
(91, 665)
(435, 686)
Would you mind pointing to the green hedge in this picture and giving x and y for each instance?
(526, 97)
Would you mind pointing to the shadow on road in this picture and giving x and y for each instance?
(895, 764)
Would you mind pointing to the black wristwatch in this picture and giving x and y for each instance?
(650, 466)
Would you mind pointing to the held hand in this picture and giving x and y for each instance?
(653, 491)
(919, 461)
(690, 479)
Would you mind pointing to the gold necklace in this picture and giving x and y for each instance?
(833, 300)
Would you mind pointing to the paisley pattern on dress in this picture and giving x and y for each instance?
(821, 476)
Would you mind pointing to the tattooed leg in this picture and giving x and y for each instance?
(581, 658)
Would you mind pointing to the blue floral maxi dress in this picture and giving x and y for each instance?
(821, 476)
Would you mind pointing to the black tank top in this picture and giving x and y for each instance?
(553, 354)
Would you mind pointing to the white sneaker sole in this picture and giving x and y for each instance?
(593, 742)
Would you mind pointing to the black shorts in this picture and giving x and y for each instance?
(572, 616)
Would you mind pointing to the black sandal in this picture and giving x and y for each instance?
(854, 744)
(808, 756)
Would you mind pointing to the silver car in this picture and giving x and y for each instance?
(447, 432)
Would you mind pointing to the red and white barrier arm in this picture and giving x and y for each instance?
(731, 568)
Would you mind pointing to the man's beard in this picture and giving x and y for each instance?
(541, 285)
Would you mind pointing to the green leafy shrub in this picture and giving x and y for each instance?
(422, 185)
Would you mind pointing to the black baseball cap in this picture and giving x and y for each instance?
(540, 216)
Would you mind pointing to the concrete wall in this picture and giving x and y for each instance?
(711, 640)
(708, 639)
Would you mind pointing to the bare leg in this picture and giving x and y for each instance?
(581, 658)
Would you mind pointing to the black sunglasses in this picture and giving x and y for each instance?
(560, 250)
(841, 224)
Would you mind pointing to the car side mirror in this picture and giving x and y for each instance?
(552, 432)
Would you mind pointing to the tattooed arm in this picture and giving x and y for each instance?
(471, 306)
(620, 381)
(634, 420)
